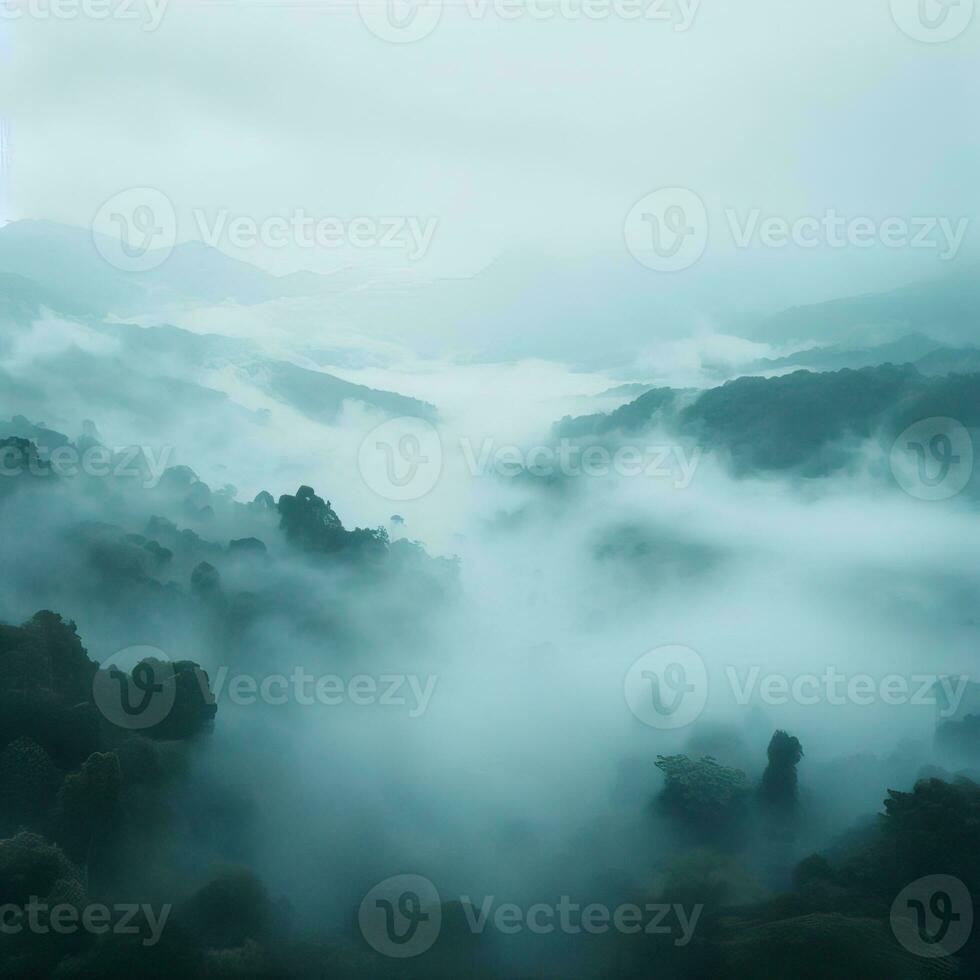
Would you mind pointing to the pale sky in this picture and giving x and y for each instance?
(521, 133)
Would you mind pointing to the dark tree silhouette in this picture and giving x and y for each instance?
(779, 781)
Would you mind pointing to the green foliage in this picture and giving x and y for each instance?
(229, 911)
(86, 801)
(821, 947)
(124, 957)
(935, 829)
(633, 417)
(813, 868)
(45, 682)
(311, 523)
(29, 780)
(205, 580)
(792, 421)
(705, 797)
(31, 866)
(59, 662)
(241, 963)
(805, 421)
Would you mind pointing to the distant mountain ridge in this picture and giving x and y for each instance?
(947, 309)
(598, 310)
(65, 261)
(174, 365)
(810, 422)
(905, 350)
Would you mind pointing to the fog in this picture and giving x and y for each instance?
(516, 768)
(462, 455)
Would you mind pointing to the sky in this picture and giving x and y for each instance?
(503, 127)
